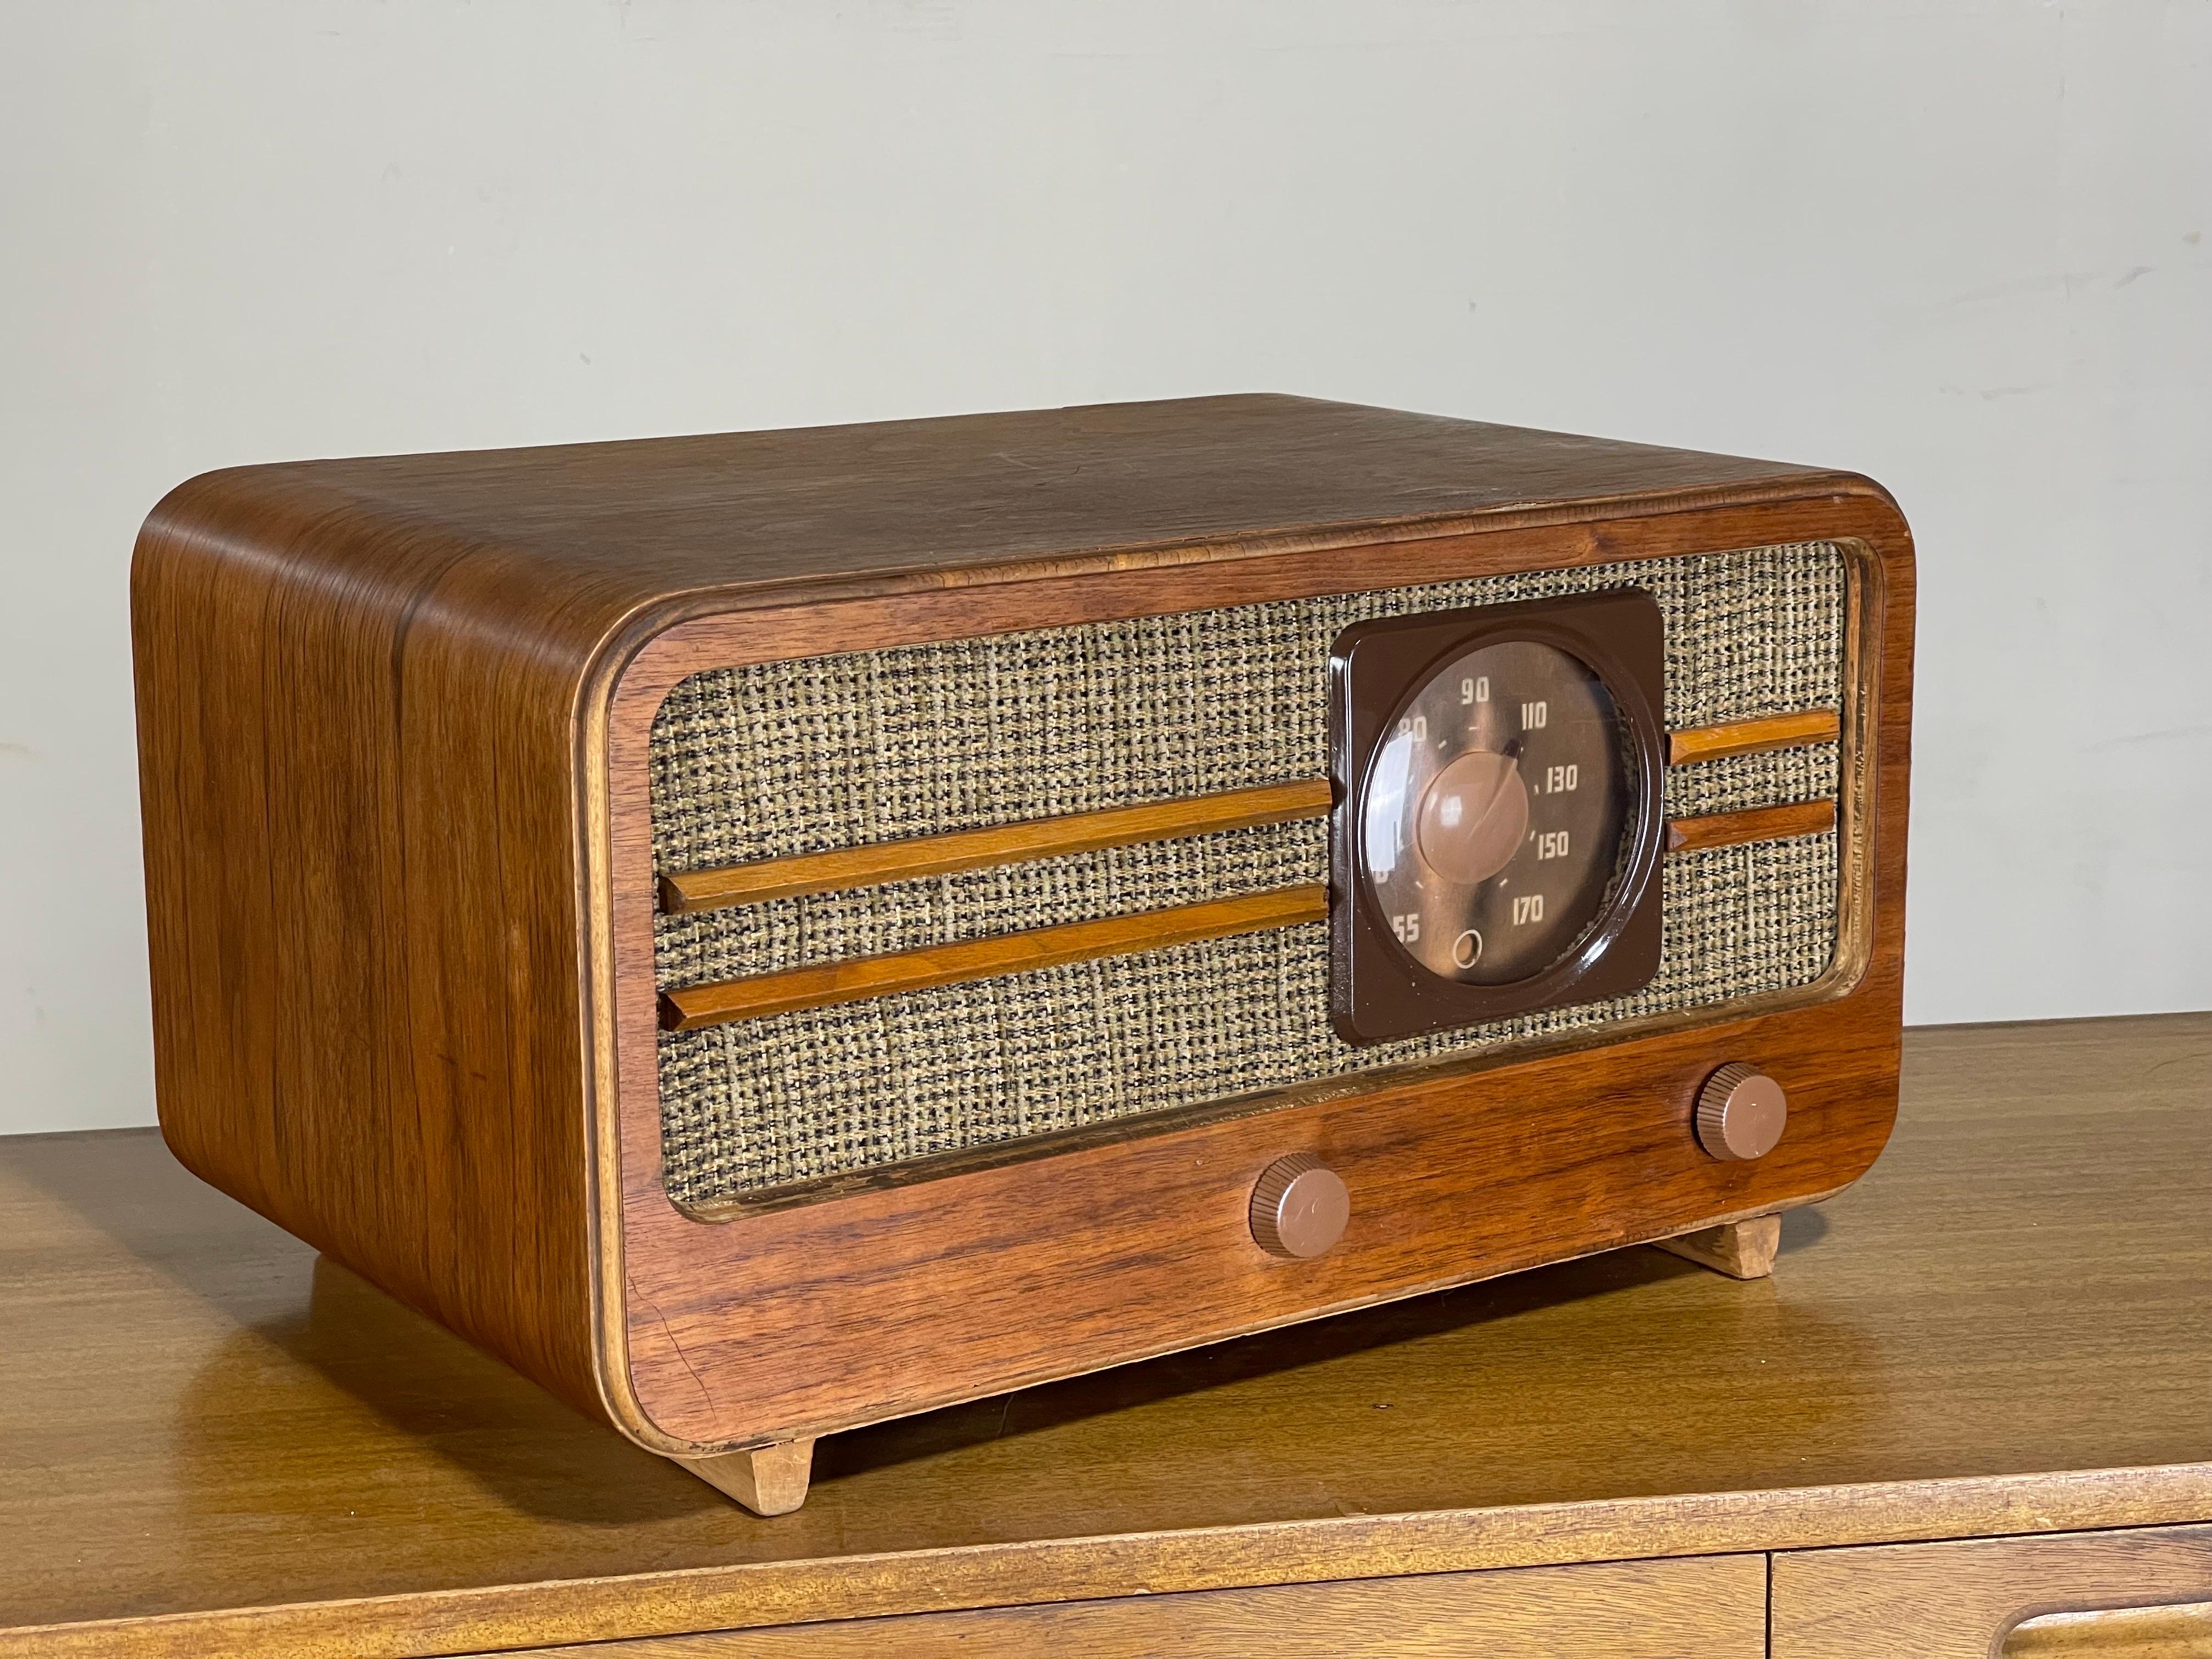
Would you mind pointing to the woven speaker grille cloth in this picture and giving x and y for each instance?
(827, 753)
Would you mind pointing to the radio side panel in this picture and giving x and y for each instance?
(355, 741)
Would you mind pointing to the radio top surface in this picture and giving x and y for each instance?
(658, 515)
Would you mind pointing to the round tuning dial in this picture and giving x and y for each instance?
(1741, 1112)
(1493, 816)
(1299, 1208)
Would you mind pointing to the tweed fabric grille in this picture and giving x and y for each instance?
(803, 756)
(1779, 777)
(760, 1104)
(907, 915)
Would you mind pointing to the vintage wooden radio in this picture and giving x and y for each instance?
(774, 932)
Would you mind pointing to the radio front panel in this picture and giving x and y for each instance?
(1137, 730)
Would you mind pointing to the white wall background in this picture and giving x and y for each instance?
(1957, 243)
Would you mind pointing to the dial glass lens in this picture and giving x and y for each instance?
(1495, 813)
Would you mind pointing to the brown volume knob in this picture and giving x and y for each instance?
(1299, 1206)
(1741, 1112)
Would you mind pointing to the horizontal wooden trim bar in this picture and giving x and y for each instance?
(1702, 743)
(916, 856)
(759, 996)
(1810, 817)
(1008, 843)
(762, 994)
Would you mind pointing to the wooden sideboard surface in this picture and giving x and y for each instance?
(211, 1443)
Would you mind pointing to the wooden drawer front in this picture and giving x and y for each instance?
(2167, 1633)
(1713, 1608)
(1960, 1600)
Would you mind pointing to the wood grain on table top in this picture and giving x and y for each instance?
(2013, 1306)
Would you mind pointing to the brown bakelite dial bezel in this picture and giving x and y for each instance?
(1376, 669)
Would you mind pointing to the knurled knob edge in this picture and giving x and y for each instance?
(1265, 1209)
(1712, 1110)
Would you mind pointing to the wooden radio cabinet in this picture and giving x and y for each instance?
(770, 933)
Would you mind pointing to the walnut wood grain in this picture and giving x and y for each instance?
(1903, 1380)
(1696, 834)
(1741, 1250)
(1715, 1609)
(1959, 1599)
(1792, 730)
(692, 891)
(337, 761)
(852, 978)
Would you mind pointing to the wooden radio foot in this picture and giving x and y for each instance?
(1741, 1249)
(767, 1479)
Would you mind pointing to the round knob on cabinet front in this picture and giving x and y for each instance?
(1299, 1208)
(1741, 1112)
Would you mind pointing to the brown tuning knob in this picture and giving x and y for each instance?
(1741, 1112)
(1299, 1206)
